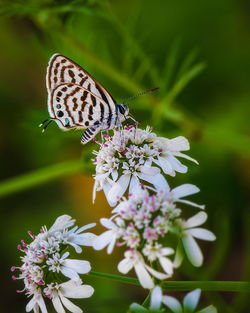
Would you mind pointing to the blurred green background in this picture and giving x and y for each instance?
(198, 53)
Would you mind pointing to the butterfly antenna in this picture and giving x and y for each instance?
(40, 125)
(140, 94)
(49, 121)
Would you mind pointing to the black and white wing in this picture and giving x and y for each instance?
(75, 98)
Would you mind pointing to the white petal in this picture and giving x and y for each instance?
(30, 304)
(179, 255)
(167, 251)
(172, 303)
(208, 309)
(184, 190)
(70, 273)
(81, 229)
(200, 206)
(114, 174)
(184, 156)
(57, 304)
(125, 266)
(103, 240)
(143, 276)
(176, 164)
(111, 245)
(192, 250)
(80, 266)
(179, 143)
(196, 220)
(158, 181)
(106, 222)
(166, 166)
(155, 273)
(61, 222)
(149, 170)
(69, 305)
(118, 189)
(134, 185)
(167, 265)
(156, 297)
(106, 189)
(191, 300)
(201, 233)
(77, 292)
(85, 239)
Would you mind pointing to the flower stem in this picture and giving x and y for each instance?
(40, 176)
(230, 286)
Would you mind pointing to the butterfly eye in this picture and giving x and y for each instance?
(122, 108)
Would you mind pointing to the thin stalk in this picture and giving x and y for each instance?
(229, 286)
(40, 176)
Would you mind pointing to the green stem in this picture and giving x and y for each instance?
(230, 286)
(40, 176)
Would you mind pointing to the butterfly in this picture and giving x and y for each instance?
(77, 100)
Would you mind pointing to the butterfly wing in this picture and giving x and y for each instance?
(72, 106)
(62, 70)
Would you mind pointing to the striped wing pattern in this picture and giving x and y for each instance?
(76, 99)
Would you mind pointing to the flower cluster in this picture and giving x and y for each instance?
(46, 266)
(145, 224)
(158, 301)
(133, 156)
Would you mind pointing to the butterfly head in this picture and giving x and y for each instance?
(123, 111)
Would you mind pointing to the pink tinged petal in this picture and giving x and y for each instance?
(156, 273)
(192, 250)
(118, 189)
(156, 297)
(176, 164)
(201, 233)
(196, 220)
(200, 206)
(149, 170)
(143, 276)
(103, 240)
(166, 166)
(208, 309)
(30, 305)
(69, 305)
(78, 292)
(167, 265)
(184, 190)
(70, 273)
(80, 266)
(86, 239)
(57, 304)
(191, 300)
(134, 185)
(179, 143)
(125, 266)
(172, 303)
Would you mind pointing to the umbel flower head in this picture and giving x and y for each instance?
(46, 266)
(144, 224)
(136, 156)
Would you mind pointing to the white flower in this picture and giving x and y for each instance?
(189, 232)
(125, 160)
(44, 257)
(59, 295)
(109, 237)
(133, 259)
